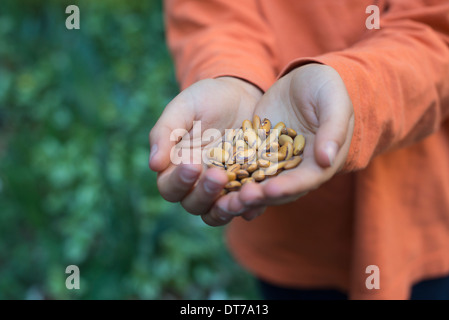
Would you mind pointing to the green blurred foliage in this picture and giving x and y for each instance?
(76, 107)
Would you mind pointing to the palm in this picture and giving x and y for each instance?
(314, 102)
(208, 104)
(218, 104)
(278, 107)
(296, 111)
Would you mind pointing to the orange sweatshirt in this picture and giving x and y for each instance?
(390, 207)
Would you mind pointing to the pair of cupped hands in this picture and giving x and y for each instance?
(312, 99)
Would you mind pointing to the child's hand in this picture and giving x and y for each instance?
(221, 103)
(312, 100)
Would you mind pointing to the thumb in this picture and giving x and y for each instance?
(175, 120)
(335, 113)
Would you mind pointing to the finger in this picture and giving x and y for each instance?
(177, 181)
(177, 119)
(237, 203)
(275, 194)
(217, 217)
(253, 213)
(208, 189)
(219, 214)
(292, 184)
(251, 194)
(334, 113)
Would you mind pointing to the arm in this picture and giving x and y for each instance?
(391, 90)
(397, 78)
(216, 38)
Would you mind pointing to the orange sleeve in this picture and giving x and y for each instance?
(397, 77)
(215, 38)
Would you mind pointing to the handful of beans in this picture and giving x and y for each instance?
(256, 151)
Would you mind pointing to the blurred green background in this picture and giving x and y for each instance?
(76, 107)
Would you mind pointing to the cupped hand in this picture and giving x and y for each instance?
(220, 104)
(313, 100)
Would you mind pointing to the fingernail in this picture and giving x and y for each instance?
(188, 175)
(153, 151)
(331, 149)
(211, 186)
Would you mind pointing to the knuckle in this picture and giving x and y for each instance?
(212, 221)
(169, 196)
(168, 193)
(193, 208)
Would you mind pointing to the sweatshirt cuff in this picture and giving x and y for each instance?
(253, 72)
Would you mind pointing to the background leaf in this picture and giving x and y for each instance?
(76, 107)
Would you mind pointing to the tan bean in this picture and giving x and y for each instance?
(262, 163)
(292, 133)
(234, 168)
(281, 164)
(233, 186)
(256, 122)
(227, 146)
(273, 147)
(213, 152)
(252, 167)
(258, 175)
(246, 125)
(266, 126)
(231, 159)
(218, 154)
(231, 176)
(245, 156)
(261, 133)
(273, 156)
(281, 156)
(256, 151)
(225, 156)
(285, 138)
(215, 164)
(276, 173)
(275, 168)
(273, 136)
(292, 163)
(271, 169)
(298, 144)
(283, 150)
(279, 126)
(238, 135)
(266, 145)
(242, 174)
(288, 150)
(240, 145)
(247, 180)
(251, 138)
(258, 142)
